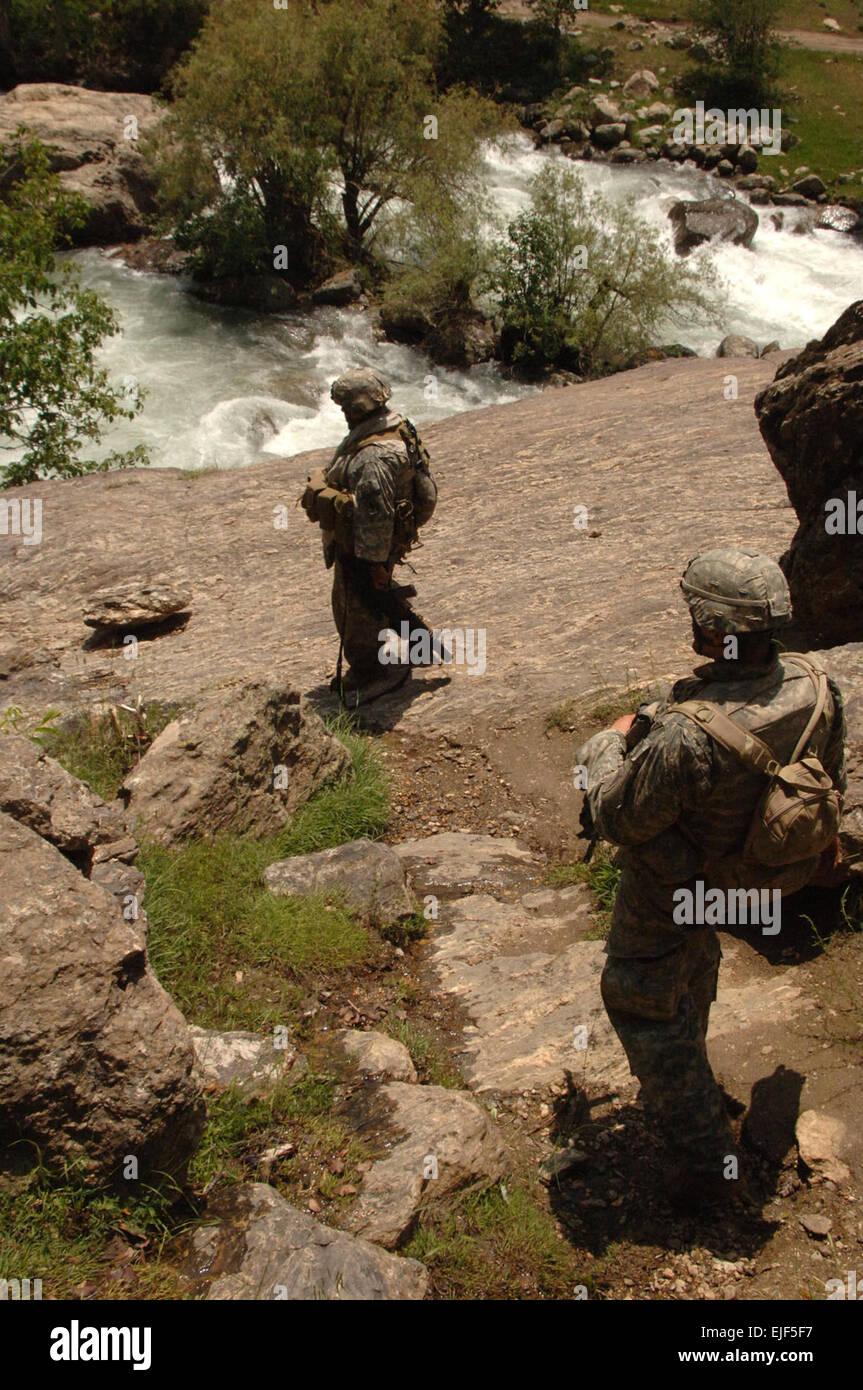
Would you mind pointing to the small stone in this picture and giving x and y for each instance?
(815, 1225)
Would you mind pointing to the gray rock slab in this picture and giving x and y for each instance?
(262, 1248)
(445, 1141)
(456, 862)
(370, 875)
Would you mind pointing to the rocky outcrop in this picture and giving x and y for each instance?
(712, 219)
(369, 876)
(38, 792)
(262, 1248)
(811, 418)
(94, 142)
(136, 604)
(246, 758)
(449, 1143)
(96, 1062)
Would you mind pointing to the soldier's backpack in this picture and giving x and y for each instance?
(798, 814)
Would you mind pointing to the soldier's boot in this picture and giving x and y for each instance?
(357, 689)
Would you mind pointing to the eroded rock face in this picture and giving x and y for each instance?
(712, 219)
(245, 759)
(369, 875)
(38, 792)
(811, 417)
(96, 1062)
(262, 1248)
(94, 141)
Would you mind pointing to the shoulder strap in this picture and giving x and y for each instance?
(748, 747)
(819, 680)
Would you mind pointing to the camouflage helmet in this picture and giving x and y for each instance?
(361, 391)
(736, 591)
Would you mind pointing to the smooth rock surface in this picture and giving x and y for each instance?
(262, 1248)
(248, 1060)
(454, 862)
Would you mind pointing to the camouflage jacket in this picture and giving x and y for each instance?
(378, 475)
(679, 800)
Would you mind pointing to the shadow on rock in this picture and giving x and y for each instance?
(110, 637)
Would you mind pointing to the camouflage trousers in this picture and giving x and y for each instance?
(358, 622)
(659, 1008)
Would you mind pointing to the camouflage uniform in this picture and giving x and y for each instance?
(677, 803)
(378, 475)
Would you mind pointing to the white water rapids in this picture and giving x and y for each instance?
(225, 385)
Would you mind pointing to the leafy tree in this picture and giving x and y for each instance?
(285, 103)
(582, 282)
(553, 13)
(53, 396)
(127, 45)
(743, 54)
(445, 264)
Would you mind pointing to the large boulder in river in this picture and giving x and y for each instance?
(96, 1062)
(811, 417)
(712, 219)
(245, 759)
(94, 144)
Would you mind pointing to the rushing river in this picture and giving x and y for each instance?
(223, 385)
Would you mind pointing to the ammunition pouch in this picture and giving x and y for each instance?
(330, 509)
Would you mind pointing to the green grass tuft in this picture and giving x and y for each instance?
(495, 1246)
(602, 878)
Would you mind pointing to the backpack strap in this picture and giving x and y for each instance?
(819, 680)
(748, 747)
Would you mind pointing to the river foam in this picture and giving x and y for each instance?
(224, 385)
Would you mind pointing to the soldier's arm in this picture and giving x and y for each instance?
(630, 800)
(373, 476)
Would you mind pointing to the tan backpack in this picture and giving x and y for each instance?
(798, 814)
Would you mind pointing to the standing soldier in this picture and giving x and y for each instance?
(370, 503)
(685, 804)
